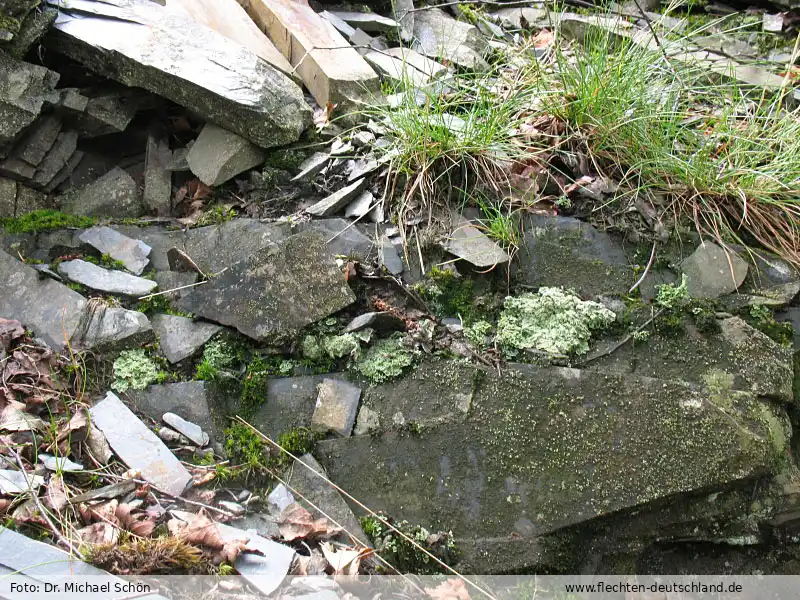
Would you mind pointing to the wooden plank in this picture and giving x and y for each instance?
(330, 68)
(228, 18)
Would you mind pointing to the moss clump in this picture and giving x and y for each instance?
(133, 369)
(404, 555)
(298, 441)
(244, 447)
(385, 360)
(477, 332)
(448, 294)
(551, 320)
(254, 385)
(217, 355)
(286, 159)
(45, 220)
(762, 318)
(159, 305)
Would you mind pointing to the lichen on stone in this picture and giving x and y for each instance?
(385, 360)
(551, 320)
(133, 369)
(323, 347)
(671, 296)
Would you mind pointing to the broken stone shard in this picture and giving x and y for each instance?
(336, 201)
(438, 35)
(138, 447)
(190, 430)
(157, 195)
(361, 205)
(179, 337)
(312, 166)
(24, 88)
(196, 67)
(110, 328)
(712, 271)
(17, 482)
(469, 243)
(380, 321)
(367, 21)
(38, 140)
(105, 280)
(276, 291)
(337, 405)
(191, 400)
(280, 498)
(389, 257)
(115, 194)
(131, 253)
(56, 159)
(219, 155)
(59, 463)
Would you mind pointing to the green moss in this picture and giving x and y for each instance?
(159, 305)
(449, 295)
(134, 369)
(254, 385)
(477, 332)
(385, 360)
(762, 318)
(218, 354)
(551, 320)
(45, 220)
(9, 24)
(77, 287)
(286, 159)
(244, 447)
(298, 441)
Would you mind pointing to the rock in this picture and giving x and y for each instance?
(138, 447)
(38, 140)
(180, 338)
(360, 206)
(105, 280)
(218, 155)
(319, 492)
(190, 430)
(8, 198)
(60, 463)
(17, 482)
(367, 421)
(196, 67)
(23, 90)
(468, 243)
(396, 69)
(29, 200)
(45, 269)
(276, 291)
(107, 492)
(380, 321)
(19, 169)
(289, 404)
(115, 194)
(110, 112)
(506, 478)
(109, 328)
(170, 436)
(712, 272)
(336, 201)
(389, 257)
(234, 508)
(367, 21)
(339, 24)
(772, 23)
(71, 101)
(337, 405)
(423, 64)
(312, 166)
(57, 158)
(341, 238)
(157, 194)
(362, 41)
(190, 400)
(404, 15)
(98, 445)
(171, 280)
(361, 167)
(280, 498)
(440, 35)
(131, 253)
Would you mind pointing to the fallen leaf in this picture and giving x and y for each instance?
(200, 530)
(297, 523)
(544, 39)
(10, 330)
(98, 533)
(452, 589)
(55, 497)
(136, 521)
(343, 562)
(14, 418)
(230, 551)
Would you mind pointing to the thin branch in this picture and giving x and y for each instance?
(646, 269)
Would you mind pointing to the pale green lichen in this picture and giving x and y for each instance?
(133, 369)
(477, 332)
(386, 360)
(219, 354)
(318, 348)
(671, 296)
(551, 320)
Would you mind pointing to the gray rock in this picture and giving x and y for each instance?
(29, 200)
(289, 404)
(367, 421)
(380, 321)
(190, 430)
(389, 257)
(45, 269)
(179, 161)
(712, 272)
(339, 24)
(191, 400)
(115, 194)
(65, 172)
(342, 239)
(362, 167)
(338, 200)
(234, 508)
(18, 169)
(280, 498)
(276, 291)
(60, 463)
(423, 64)
(336, 408)
(105, 280)
(312, 166)
(367, 21)
(218, 155)
(170, 436)
(361, 41)
(8, 198)
(217, 78)
(56, 159)
(360, 206)
(396, 69)
(468, 243)
(109, 112)
(440, 35)
(71, 100)
(38, 140)
(138, 447)
(264, 524)
(17, 482)
(23, 89)
(171, 280)
(157, 194)
(131, 253)
(180, 338)
(107, 492)
(108, 328)
(772, 23)
(404, 14)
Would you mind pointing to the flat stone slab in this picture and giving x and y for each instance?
(438, 35)
(157, 194)
(712, 272)
(115, 194)
(276, 291)
(17, 482)
(545, 448)
(105, 280)
(289, 404)
(23, 89)
(366, 21)
(312, 166)
(110, 328)
(131, 253)
(191, 431)
(337, 201)
(180, 337)
(218, 155)
(341, 237)
(381, 321)
(336, 408)
(60, 463)
(191, 400)
(138, 447)
(470, 244)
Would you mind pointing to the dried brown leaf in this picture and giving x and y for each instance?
(451, 589)
(343, 562)
(98, 533)
(297, 523)
(202, 531)
(10, 330)
(55, 497)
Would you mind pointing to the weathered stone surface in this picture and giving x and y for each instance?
(219, 79)
(339, 24)
(19, 169)
(336, 408)
(276, 291)
(360, 206)
(17, 482)
(60, 463)
(192, 431)
(131, 253)
(367, 421)
(712, 272)
(545, 448)
(56, 159)
(280, 498)
(29, 200)
(338, 200)
(157, 194)
(367, 21)
(389, 256)
(171, 280)
(105, 280)
(396, 69)
(467, 242)
(438, 35)
(8, 198)
(179, 337)
(381, 321)
(108, 328)
(218, 155)
(289, 404)
(138, 447)
(191, 400)
(342, 239)
(597, 262)
(109, 112)
(312, 166)
(23, 89)
(404, 14)
(38, 140)
(115, 194)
